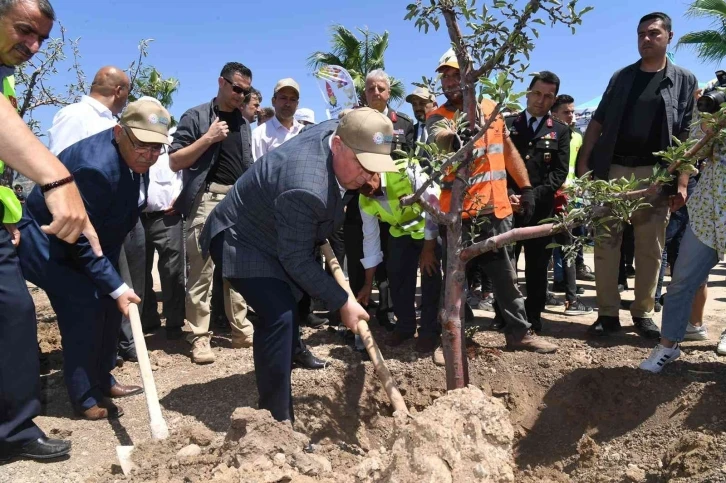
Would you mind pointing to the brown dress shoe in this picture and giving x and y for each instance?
(528, 341)
(103, 410)
(119, 390)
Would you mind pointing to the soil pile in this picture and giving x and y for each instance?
(463, 436)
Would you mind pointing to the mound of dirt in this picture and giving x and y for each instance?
(463, 436)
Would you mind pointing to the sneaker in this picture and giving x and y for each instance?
(659, 358)
(721, 348)
(473, 297)
(241, 341)
(696, 333)
(486, 303)
(202, 351)
(577, 308)
(584, 273)
(552, 301)
(646, 327)
(427, 344)
(657, 306)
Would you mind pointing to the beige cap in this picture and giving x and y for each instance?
(288, 82)
(448, 60)
(148, 120)
(369, 134)
(422, 93)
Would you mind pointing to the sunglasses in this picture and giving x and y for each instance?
(237, 89)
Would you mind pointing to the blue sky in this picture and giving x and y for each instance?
(194, 39)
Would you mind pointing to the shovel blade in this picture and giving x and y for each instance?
(124, 458)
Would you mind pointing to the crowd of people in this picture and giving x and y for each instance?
(236, 215)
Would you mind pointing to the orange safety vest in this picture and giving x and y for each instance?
(487, 190)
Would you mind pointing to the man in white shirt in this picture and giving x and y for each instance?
(93, 113)
(283, 126)
(163, 231)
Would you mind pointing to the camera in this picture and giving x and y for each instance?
(712, 99)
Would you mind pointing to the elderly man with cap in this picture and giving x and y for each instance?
(283, 126)
(265, 233)
(487, 198)
(86, 291)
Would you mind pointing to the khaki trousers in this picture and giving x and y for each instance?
(199, 280)
(649, 225)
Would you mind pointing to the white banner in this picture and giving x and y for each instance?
(336, 86)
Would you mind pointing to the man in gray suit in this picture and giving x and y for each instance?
(265, 231)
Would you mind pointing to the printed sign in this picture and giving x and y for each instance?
(336, 86)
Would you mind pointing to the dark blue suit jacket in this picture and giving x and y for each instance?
(110, 193)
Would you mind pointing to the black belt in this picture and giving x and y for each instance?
(633, 161)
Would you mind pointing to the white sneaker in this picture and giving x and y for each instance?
(721, 349)
(696, 333)
(660, 357)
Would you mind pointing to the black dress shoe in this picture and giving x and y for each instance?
(151, 329)
(497, 323)
(129, 355)
(604, 325)
(314, 321)
(42, 448)
(385, 321)
(306, 360)
(119, 390)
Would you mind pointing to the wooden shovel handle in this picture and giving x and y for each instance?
(159, 429)
(365, 334)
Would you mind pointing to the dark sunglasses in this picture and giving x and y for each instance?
(237, 89)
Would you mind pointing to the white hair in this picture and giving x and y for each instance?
(379, 74)
(149, 99)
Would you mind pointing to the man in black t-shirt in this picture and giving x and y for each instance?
(643, 107)
(212, 147)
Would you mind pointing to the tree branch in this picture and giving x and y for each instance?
(485, 69)
(29, 93)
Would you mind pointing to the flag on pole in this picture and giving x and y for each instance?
(336, 86)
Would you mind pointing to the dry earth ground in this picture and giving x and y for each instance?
(585, 414)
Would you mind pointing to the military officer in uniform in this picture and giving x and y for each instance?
(377, 92)
(544, 144)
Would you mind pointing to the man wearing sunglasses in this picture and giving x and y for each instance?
(212, 148)
(86, 291)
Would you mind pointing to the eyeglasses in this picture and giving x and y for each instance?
(151, 149)
(237, 89)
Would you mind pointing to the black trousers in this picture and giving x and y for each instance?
(164, 235)
(403, 260)
(19, 364)
(132, 266)
(536, 259)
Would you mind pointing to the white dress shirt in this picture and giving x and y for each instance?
(164, 185)
(270, 135)
(422, 135)
(78, 121)
(372, 254)
(537, 121)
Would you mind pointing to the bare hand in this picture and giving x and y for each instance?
(364, 295)
(70, 219)
(14, 233)
(217, 131)
(678, 200)
(125, 299)
(428, 262)
(351, 313)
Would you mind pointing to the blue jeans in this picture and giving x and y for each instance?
(695, 261)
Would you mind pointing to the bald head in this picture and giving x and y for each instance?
(111, 88)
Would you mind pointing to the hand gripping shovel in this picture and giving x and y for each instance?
(159, 430)
(365, 334)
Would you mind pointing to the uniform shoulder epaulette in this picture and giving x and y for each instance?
(404, 116)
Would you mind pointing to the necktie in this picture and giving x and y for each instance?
(532, 120)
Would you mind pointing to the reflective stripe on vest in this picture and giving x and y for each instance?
(487, 185)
